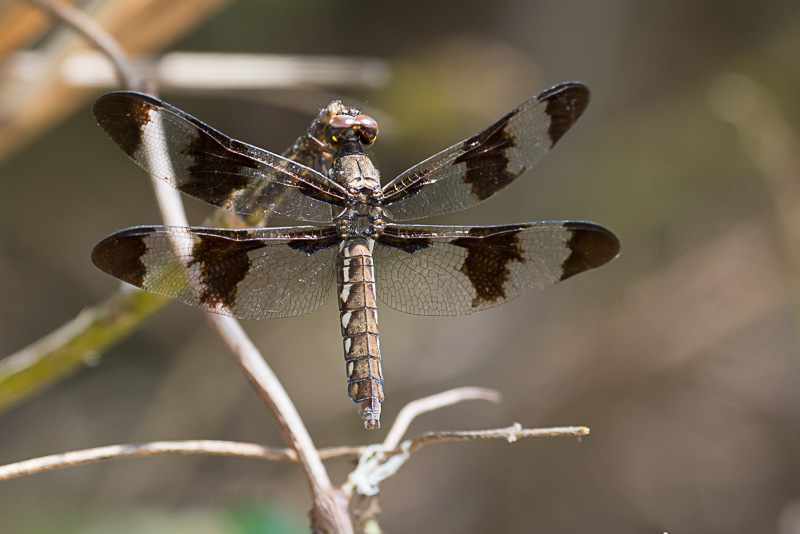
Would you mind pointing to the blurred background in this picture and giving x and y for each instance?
(681, 355)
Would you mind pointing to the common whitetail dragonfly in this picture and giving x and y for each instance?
(256, 273)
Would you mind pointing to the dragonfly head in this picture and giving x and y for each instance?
(363, 127)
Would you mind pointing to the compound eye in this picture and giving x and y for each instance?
(339, 124)
(365, 125)
(368, 128)
(342, 122)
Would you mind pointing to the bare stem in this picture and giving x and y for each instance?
(511, 434)
(377, 464)
(330, 507)
(275, 397)
(258, 373)
(133, 450)
(137, 450)
(428, 404)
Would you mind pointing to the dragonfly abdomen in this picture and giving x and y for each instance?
(359, 320)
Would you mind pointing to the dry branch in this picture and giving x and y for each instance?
(330, 506)
(377, 463)
(427, 404)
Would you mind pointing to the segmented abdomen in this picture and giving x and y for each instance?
(359, 319)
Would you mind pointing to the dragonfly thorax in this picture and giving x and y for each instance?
(354, 171)
(360, 220)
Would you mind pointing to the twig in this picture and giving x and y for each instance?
(377, 463)
(277, 400)
(136, 450)
(428, 404)
(252, 450)
(96, 35)
(511, 434)
(133, 450)
(258, 373)
(330, 507)
(250, 359)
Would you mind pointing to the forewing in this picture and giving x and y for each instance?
(250, 274)
(205, 164)
(475, 169)
(457, 270)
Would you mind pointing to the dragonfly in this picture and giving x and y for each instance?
(357, 239)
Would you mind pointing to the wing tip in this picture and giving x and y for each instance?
(123, 116)
(565, 103)
(121, 255)
(102, 101)
(591, 246)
